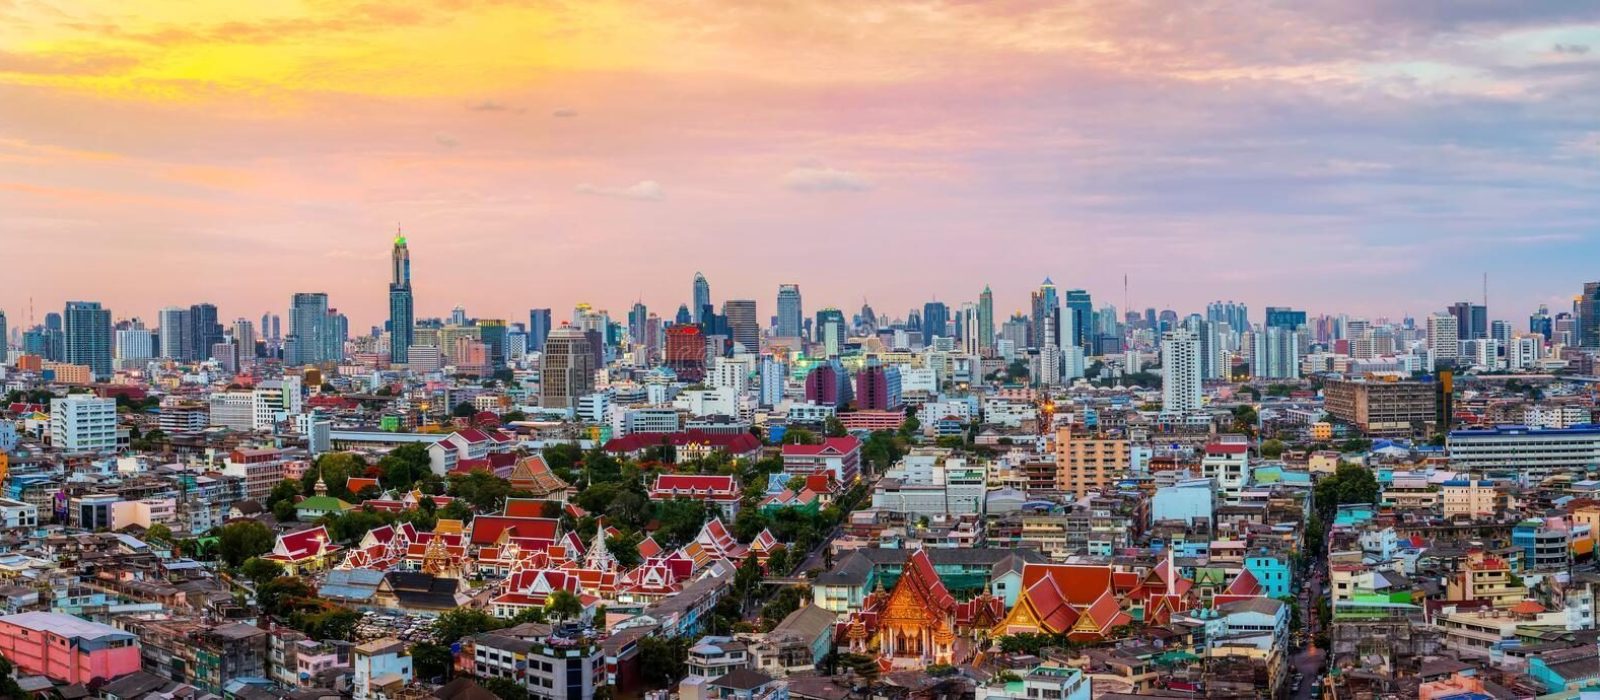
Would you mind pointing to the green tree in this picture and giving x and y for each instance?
(1272, 449)
(456, 510)
(483, 491)
(800, 436)
(833, 427)
(281, 596)
(514, 417)
(432, 660)
(8, 681)
(680, 521)
(505, 688)
(663, 660)
(778, 561)
(404, 466)
(453, 625)
(335, 470)
(626, 550)
(563, 606)
(285, 490)
(238, 541)
(158, 533)
(463, 410)
(260, 571)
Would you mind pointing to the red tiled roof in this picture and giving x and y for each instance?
(1229, 448)
(1079, 584)
(524, 508)
(736, 443)
(835, 445)
(486, 529)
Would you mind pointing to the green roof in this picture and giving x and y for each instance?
(322, 503)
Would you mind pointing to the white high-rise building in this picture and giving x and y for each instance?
(83, 423)
(174, 326)
(772, 380)
(729, 373)
(1523, 351)
(134, 346)
(1180, 372)
(1444, 341)
(1072, 363)
(1277, 354)
(1049, 365)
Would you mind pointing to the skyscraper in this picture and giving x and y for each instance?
(310, 329)
(492, 333)
(1472, 320)
(203, 332)
(5, 339)
(742, 324)
(1587, 316)
(1080, 330)
(986, 322)
(1180, 372)
(87, 336)
(538, 329)
(244, 336)
(935, 320)
(830, 331)
(1277, 354)
(1046, 315)
(402, 322)
(790, 313)
(1444, 339)
(702, 298)
(174, 329)
(638, 317)
(566, 372)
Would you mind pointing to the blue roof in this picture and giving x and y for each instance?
(1587, 428)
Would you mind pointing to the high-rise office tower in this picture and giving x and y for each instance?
(244, 336)
(1046, 314)
(702, 298)
(967, 328)
(538, 329)
(1587, 316)
(1080, 330)
(986, 322)
(402, 321)
(492, 333)
(133, 345)
(310, 330)
(637, 317)
(1180, 372)
(830, 331)
(1277, 354)
(790, 313)
(174, 329)
(1539, 322)
(566, 371)
(742, 324)
(203, 332)
(5, 339)
(935, 321)
(683, 316)
(1444, 338)
(87, 336)
(1472, 320)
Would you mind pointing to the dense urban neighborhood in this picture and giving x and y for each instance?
(1078, 504)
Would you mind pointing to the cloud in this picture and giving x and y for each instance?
(823, 179)
(1572, 48)
(446, 140)
(563, 113)
(490, 106)
(645, 190)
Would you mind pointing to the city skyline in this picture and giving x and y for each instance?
(1382, 158)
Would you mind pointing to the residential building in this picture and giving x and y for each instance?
(83, 423)
(67, 649)
(1381, 408)
(1087, 463)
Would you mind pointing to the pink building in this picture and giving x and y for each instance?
(839, 456)
(67, 649)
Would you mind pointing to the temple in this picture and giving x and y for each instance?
(919, 622)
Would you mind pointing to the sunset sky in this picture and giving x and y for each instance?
(1370, 157)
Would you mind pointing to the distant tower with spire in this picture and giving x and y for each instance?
(402, 326)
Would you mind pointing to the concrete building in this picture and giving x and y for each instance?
(83, 423)
(566, 370)
(1180, 372)
(1525, 453)
(382, 668)
(1381, 408)
(1087, 463)
(67, 649)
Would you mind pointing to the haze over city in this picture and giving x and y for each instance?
(1367, 158)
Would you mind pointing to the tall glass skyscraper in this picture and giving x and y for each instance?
(310, 330)
(1081, 313)
(87, 336)
(702, 298)
(986, 322)
(402, 325)
(538, 329)
(790, 313)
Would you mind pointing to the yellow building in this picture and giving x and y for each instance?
(1323, 462)
(1485, 577)
(1322, 431)
(1089, 463)
(1471, 498)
